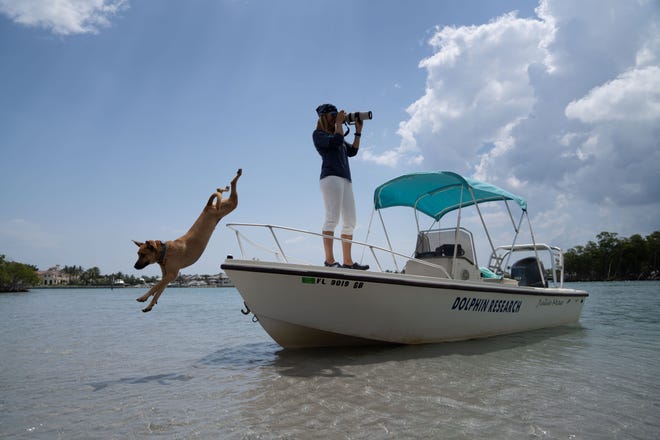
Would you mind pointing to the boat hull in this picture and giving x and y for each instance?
(309, 306)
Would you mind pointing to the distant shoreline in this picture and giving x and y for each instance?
(107, 286)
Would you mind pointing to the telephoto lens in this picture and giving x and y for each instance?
(357, 116)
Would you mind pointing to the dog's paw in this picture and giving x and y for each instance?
(239, 172)
(147, 309)
(140, 299)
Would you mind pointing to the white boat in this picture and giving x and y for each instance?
(440, 294)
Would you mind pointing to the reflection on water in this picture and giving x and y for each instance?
(242, 356)
(161, 379)
(319, 361)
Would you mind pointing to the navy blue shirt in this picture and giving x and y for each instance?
(335, 152)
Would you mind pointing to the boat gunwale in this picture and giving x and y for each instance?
(442, 283)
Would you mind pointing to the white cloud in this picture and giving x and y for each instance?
(633, 96)
(563, 108)
(391, 157)
(476, 86)
(63, 17)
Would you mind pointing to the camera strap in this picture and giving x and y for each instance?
(348, 129)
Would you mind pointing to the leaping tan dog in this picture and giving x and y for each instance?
(174, 255)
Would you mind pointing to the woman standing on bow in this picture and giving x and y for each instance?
(336, 185)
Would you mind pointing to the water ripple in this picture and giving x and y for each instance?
(196, 368)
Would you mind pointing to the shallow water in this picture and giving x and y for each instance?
(86, 364)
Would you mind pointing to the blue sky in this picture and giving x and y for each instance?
(118, 118)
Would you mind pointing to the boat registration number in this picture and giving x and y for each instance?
(333, 282)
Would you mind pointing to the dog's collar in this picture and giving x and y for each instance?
(163, 249)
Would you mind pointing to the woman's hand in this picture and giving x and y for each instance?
(339, 120)
(358, 125)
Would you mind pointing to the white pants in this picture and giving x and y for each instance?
(339, 201)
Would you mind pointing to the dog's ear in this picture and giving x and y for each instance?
(151, 244)
(137, 243)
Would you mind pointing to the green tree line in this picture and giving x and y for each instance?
(94, 277)
(19, 277)
(16, 277)
(615, 258)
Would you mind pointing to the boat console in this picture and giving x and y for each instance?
(451, 249)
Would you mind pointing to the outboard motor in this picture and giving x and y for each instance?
(526, 272)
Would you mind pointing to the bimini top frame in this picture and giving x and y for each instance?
(441, 192)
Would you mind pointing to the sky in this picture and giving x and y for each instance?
(119, 118)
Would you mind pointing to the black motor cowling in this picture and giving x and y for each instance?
(526, 272)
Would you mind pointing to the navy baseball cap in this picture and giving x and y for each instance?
(325, 108)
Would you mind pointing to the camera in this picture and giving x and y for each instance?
(357, 116)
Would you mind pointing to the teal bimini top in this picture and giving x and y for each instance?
(439, 192)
